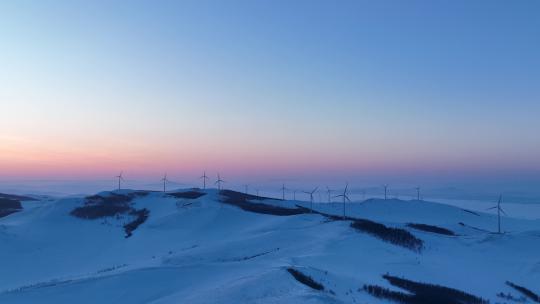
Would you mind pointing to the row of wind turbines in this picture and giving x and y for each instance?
(219, 181)
(165, 180)
(343, 195)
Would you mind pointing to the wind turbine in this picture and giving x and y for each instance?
(417, 193)
(385, 190)
(283, 189)
(329, 193)
(219, 181)
(120, 179)
(204, 177)
(294, 194)
(345, 196)
(164, 180)
(311, 196)
(499, 210)
(246, 189)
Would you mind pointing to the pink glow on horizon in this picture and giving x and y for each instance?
(96, 157)
(38, 162)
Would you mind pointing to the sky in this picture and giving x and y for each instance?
(371, 92)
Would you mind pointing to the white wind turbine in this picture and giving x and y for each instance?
(499, 211)
(311, 196)
(120, 179)
(219, 181)
(345, 196)
(329, 191)
(165, 180)
(283, 189)
(204, 177)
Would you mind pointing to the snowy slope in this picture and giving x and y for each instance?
(205, 251)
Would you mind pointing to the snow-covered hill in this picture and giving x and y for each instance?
(195, 246)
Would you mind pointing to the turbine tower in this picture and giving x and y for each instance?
(499, 210)
(219, 181)
(345, 196)
(311, 197)
(204, 177)
(165, 180)
(246, 189)
(385, 191)
(120, 179)
(417, 193)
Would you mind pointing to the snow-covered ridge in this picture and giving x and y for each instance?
(206, 246)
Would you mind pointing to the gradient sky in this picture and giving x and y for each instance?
(372, 91)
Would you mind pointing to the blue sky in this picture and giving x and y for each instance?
(363, 90)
